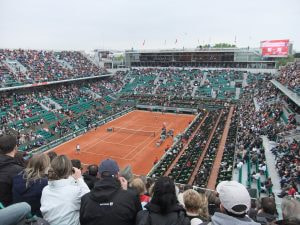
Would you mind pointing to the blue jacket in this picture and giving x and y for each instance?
(32, 194)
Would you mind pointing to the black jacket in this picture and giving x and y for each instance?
(8, 169)
(108, 204)
(90, 180)
(152, 216)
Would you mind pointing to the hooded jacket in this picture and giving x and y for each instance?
(224, 219)
(31, 194)
(8, 169)
(153, 216)
(265, 218)
(109, 204)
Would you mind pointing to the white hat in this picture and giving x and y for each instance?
(231, 194)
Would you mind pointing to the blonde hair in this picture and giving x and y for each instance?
(36, 168)
(61, 168)
(196, 203)
(139, 185)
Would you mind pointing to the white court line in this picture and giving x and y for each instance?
(146, 145)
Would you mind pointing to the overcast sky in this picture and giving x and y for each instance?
(125, 24)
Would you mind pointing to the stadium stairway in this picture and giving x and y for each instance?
(270, 161)
(237, 93)
(57, 106)
(203, 79)
(15, 66)
(245, 77)
(185, 147)
(217, 163)
(257, 107)
(94, 94)
(200, 160)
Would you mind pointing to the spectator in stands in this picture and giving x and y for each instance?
(90, 176)
(163, 208)
(29, 184)
(60, 202)
(139, 186)
(109, 203)
(14, 213)
(8, 167)
(290, 212)
(267, 212)
(196, 206)
(235, 203)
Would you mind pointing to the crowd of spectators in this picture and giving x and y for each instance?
(44, 66)
(290, 76)
(53, 189)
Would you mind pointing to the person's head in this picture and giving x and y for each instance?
(138, 185)
(268, 205)
(92, 170)
(291, 210)
(196, 203)
(76, 163)
(8, 144)
(61, 168)
(52, 155)
(164, 194)
(108, 168)
(19, 158)
(234, 197)
(36, 168)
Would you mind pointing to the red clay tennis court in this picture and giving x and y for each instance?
(135, 147)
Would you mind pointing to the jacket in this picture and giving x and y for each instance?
(60, 202)
(153, 216)
(265, 218)
(109, 204)
(90, 180)
(223, 219)
(31, 194)
(8, 169)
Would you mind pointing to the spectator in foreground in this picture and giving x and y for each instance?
(14, 214)
(90, 176)
(109, 203)
(267, 212)
(29, 184)
(290, 212)
(139, 186)
(8, 167)
(196, 206)
(163, 208)
(235, 203)
(60, 202)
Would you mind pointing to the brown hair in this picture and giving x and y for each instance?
(139, 185)
(61, 168)
(36, 168)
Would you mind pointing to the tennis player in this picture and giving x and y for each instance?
(77, 149)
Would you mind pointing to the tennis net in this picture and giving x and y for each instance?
(133, 131)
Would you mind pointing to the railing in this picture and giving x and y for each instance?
(78, 132)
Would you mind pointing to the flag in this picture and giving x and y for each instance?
(144, 42)
(176, 41)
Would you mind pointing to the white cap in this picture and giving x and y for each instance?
(232, 193)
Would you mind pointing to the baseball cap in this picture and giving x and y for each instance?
(110, 166)
(234, 197)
